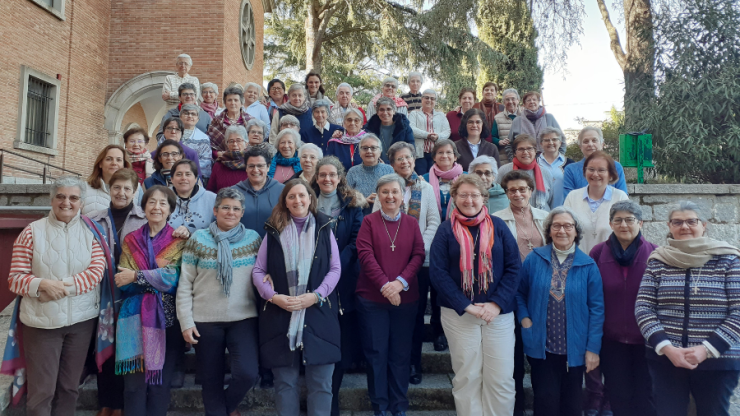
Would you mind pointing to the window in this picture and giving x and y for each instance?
(247, 35)
(38, 113)
(55, 7)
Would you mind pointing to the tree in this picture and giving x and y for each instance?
(507, 27)
(612, 127)
(695, 118)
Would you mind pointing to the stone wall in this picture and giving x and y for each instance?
(24, 195)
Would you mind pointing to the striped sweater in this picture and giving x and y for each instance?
(690, 307)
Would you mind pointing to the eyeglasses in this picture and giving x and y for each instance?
(331, 175)
(691, 222)
(309, 157)
(172, 129)
(188, 94)
(132, 142)
(389, 86)
(474, 197)
(599, 171)
(166, 155)
(227, 208)
(628, 220)
(487, 173)
(234, 141)
(62, 198)
(369, 148)
(429, 98)
(276, 88)
(257, 166)
(402, 158)
(523, 190)
(475, 122)
(352, 120)
(525, 150)
(566, 226)
(189, 114)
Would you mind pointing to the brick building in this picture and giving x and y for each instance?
(79, 72)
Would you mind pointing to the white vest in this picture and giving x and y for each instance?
(59, 252)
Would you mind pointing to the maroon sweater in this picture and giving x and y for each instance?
(380, 265)
(454, 118)
(223, 177)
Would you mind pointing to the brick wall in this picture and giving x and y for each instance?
(135, 114)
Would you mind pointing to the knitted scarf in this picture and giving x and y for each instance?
(695, 252)
(233, 160)
(223, 256)
(139, 162)
(460, 224)
(281, 160)
(538, 180)
(435, 174)
(289, 108)
(140, 333)
(298, 255)
(622, 256)
(490, 108)
(533, 121)
(413, 183)
(400, 102)
(210, 108)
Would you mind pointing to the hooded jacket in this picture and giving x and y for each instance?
(195, 212)
(401, 132)
(258, 205)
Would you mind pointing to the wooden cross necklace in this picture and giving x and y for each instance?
(393, 240)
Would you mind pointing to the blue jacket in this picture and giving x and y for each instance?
(258, 205)
(401, 132)
(311, 134)
(584, 304)
(348, 154)
(573, 177)
(305, 119)
(444, 269)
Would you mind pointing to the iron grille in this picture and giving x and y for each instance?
(38, 110)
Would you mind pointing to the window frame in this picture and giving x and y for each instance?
(57, 11)
(20, 140)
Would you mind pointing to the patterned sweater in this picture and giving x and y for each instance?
(690, 307)
(200, 295)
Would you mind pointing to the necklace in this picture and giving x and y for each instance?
(475, 243)
(529, 228)
(695, 282)
(393, 240)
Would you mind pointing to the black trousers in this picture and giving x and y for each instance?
(110, 386)
(672, 385)
(627, 378)
(386, 332)
(142, 399)
(558, 389)
(241, 339)
(436, 322)
(351, 353)
(518, 368)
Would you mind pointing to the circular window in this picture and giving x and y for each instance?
(247, 35)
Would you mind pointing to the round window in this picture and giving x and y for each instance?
(247, 36)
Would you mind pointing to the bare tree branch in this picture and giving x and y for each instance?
(614, 43)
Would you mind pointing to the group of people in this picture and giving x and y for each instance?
(302, 234)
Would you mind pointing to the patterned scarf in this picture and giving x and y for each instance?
(435, 174)
(210, 108)
(223, 256)
(139, 162)
(281, 160)
(140, 334)
(559, 274)
(540, 192)
(460, 224)
(298, 255)
(233, 159)
(398, 100)
(289, 108)
(347, 139)
(413, 183)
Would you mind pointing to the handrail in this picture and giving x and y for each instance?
(38, 161)
(46, 171)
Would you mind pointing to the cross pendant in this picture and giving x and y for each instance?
(529, 245)
(393, 247)
(473, 256)
(594, 235)
(696, 290)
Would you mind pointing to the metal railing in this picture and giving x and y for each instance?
(47, 170)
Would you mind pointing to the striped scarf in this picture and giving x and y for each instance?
(298, 255)
(460, 224)
(413, 185)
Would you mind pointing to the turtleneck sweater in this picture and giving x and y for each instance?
(562, 254)
(329, 203)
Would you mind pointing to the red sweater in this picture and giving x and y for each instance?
(380, 264)
(454, 118)
(223, 177)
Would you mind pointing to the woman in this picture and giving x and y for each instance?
(344, 206)
(428, 126)
(485, 168)
(256, 131)
(209, 92)
(687, 312)
(414, 98)
(297, 106)
(167, 153)
(344, 103)
(321, 131)
(364, 177)
(136, 140)
(230, 168)
(534, 119)
(148, 277)
(194, 204)
(309, 155)
(252, 104)
(347, 146)
(488, 104)
(300, 254)
(552, 160)
(622, 260)
(286, 162)
(197, 140)
(443, 173)
(477, 300)
(525, 222)
(109, 160)
(390, 86)
(391, 127)
(289, 122)
(173, 130)
(502, 123)
(233, 115)
(172, 82)
(466, 98)
(560, 305)
(391, 251)
(590, 139)
(594, 201)
(524, 159)
(315, 88)
(216, 304)
(473, 129)
(276, 96)
(261, 193)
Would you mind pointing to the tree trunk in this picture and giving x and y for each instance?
(314, 37)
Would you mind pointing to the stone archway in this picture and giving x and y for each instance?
(135, 90)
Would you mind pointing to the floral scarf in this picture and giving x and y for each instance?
(139, 163)
(460, 228)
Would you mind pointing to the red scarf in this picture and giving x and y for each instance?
(210, 108)
(435, 174)
(539, 182)
(460, 224)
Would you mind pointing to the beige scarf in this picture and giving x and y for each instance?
(695, 252)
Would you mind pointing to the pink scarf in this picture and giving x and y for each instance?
(210, 108)
(398, 100)
(460, 224)
(435, 174)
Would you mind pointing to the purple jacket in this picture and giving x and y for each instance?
(621, 285)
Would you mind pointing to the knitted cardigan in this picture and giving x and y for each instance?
(593, 222)
(418, 122)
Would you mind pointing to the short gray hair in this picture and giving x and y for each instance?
(371, 136)
(321, 103)
(185, 56)
(562, 210)
(414, 74)
(344, 84)
(228, 193)
(234, 90)
(235, 129)
(68, 181)
(190, 107)
(390, 79)
(390, 178)
(397, 147)
(259, 123)
(253, 84)
(591, 128)
(482, 160)
(627, 206)
(313, 147)
(210, 85)
(430, 91)
(289, 132)
(297, 86)
(688, 206)
(353, 111)
(289, 119)
(550, 130)
(385, 101)
(511, 91)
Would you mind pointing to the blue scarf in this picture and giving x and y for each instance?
(294, 161)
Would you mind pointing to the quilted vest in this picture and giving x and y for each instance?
(96, 199)
(503, 122)
(59, 252)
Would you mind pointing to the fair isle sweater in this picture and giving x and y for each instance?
(668, 309)
(200, 295)
(364, 178)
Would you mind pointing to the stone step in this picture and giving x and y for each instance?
(270, 412)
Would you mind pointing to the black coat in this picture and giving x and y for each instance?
(401, 132)
(321, 337)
